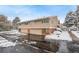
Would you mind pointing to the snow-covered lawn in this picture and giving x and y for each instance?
(5, 43)
(12, 32)
(13, 37)
(76, 33)
(1, 38)
(57, 35)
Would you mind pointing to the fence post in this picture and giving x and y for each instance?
(28, 35)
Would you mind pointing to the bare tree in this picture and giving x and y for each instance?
(4, 23)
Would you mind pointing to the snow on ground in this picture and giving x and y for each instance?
(76, 33)
(11, 34)
(16, 32)
(5, 43)
(13, 37)
(31, 42)
(1, 38)
(57, 35)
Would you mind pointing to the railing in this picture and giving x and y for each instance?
(35, 37)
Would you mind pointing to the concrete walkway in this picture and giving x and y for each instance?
(74, 38)
(63, 47)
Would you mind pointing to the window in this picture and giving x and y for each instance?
(43, 31)
(45, 21)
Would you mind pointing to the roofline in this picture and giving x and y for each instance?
(38, 19)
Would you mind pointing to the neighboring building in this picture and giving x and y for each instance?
(4, 23)
(3, 19)
(40, 26)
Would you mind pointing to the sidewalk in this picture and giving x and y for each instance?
(74, 37)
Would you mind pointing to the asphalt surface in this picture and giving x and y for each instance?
(17, 48)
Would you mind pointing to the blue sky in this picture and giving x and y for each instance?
(29, 12)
